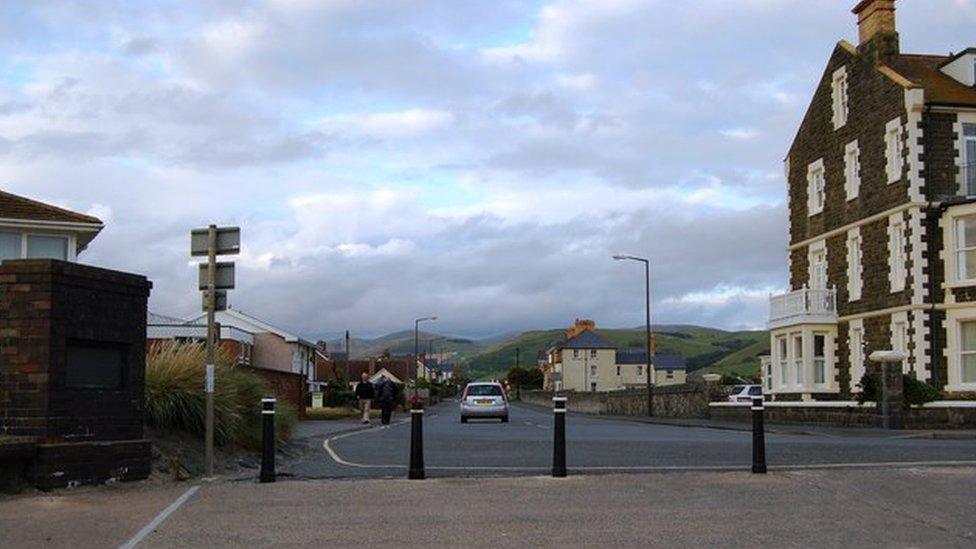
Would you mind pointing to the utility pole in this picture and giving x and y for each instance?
(214, 280)
(211, 353)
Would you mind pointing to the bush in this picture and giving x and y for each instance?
(339, 399)
(175, 398)
(916, 392)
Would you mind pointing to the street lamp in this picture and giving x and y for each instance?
(416, 348)
(647, 325)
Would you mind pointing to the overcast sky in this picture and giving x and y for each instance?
(480, 161)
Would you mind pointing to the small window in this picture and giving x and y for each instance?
(10, 246)
(854, 267)
(894, 148)
(967, 351)
(852, 170)
(816, 188)
(966, 248)
(575, 353)
(593, 370)
(640, 371)
(896, 253)
(47, 247)
(839, 97)
(669, 374)
(618, 370)
(592, 353)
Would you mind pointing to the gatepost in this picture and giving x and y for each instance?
(891, 401)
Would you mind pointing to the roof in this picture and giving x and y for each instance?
(250, 324)
(18, 207)
(940, 88)
(587, 339)
(153, 318)
(662, 361)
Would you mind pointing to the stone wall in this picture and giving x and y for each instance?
(674, 401)
(928, 417)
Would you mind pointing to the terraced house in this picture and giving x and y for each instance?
(882, 211)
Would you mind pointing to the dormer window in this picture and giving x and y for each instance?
(962, 67)
(839, 97)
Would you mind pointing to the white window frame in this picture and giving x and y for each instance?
(783, 358)
(820, 363)
(897, 255)
(965, 119)
(899, 334)
(855, 345)
(839, 98)
(855, 268)
(959, 250)
(816, 187)
(954, 320)
(72, 241)
(815, 250)
(592, 353)
(798, 376)
(894, 150)
(852, 170)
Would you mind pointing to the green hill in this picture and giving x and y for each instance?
(703, 348)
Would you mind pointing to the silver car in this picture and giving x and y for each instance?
(484, 400)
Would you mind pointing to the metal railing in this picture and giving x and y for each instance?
(803, 302)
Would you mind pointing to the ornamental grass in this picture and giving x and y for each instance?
(175, 396)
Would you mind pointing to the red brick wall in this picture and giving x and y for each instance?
(290, 389)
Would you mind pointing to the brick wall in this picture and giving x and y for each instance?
(290, 389)
(52, 307)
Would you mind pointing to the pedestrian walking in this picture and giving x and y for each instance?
(365, 392)
(387, 395)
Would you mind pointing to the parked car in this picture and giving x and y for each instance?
(484, 400)
(744, 393)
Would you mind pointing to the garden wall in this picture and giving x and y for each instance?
(673, 401)
(289, 388)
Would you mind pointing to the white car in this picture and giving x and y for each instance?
(744, 393)
(484, 400)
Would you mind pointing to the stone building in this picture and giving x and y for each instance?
(882, 220)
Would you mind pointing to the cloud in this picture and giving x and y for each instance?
(476, 160)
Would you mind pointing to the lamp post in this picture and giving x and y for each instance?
(647, 325)
(416, 348)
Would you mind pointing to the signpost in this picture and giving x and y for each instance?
(214, 280)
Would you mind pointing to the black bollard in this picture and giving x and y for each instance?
(758, 436)
(417, 445)
(559, 437)
(268, 440)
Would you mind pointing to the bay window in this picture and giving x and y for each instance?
(967, 351)
(798, 358)
(966, 248)
(819, 359)
(783, 361)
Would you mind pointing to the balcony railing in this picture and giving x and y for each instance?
(967, 175)
(803, 306)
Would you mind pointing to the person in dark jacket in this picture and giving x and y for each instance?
(386, 396)
(365, 392)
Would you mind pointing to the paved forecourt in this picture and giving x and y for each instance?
(603, 445)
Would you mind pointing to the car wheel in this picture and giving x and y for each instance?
(464, 419)
(504, 419)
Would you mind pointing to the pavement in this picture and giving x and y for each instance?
(601, 445)
(901, 507)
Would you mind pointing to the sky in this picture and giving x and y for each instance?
(476, 160)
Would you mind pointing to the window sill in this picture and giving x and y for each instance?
(959, 284)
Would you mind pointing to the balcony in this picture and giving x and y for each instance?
(804, 306)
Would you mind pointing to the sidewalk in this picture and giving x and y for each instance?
(784, 428)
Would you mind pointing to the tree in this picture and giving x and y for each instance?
(526, 378)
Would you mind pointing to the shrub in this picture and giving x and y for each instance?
(175, 398)
(339, 399)
(916, 392)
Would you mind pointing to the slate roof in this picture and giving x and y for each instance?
(662, 361)
(940, 88)
(587, 339)
(18, 207)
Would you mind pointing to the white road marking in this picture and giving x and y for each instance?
(160, 518)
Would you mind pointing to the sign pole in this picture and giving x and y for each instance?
(211, 319)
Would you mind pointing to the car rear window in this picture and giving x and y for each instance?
(484, 390)
(755, 391)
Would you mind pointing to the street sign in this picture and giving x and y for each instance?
(228, 241)
(220, 304)
(224, 276)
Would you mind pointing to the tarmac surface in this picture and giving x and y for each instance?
(601, 445)
(881, 507)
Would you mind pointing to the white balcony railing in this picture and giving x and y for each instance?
(803, 306)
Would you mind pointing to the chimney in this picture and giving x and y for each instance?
(876, 28)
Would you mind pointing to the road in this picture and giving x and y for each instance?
(600, 445)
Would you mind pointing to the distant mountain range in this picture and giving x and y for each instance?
(706, 349)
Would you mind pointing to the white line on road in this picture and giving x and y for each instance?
(160, 518)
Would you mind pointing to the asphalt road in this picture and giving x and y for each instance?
(597, 445)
